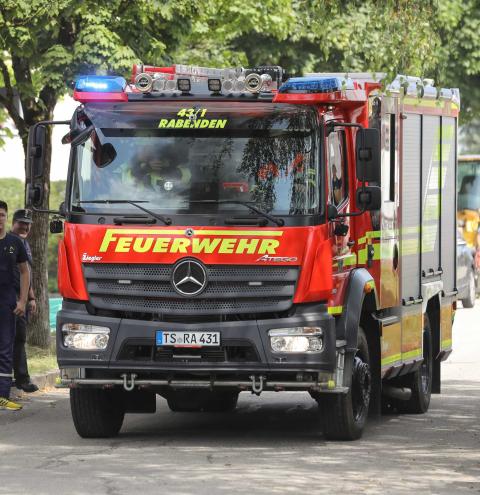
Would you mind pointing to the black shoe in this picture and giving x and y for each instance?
(28, 387)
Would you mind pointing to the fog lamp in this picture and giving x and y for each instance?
(214, 85)
(85, 337)
(296, 339)
(184, 85)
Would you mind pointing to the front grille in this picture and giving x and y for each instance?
(234, 352)
(230, 290)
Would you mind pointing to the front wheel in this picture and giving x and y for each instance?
(344, 416)
(96, 413)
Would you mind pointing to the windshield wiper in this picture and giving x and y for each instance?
(134, 220)
(165, 220)
(279, 221)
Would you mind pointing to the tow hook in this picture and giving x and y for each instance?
(128, 386)
(257, 387)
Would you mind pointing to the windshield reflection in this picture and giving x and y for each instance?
(272, 166)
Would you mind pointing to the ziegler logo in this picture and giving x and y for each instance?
(87, 257)
(278, 259)
(163, 241)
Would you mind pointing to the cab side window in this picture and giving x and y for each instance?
(337, 167)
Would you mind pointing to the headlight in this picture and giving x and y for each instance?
(85, 337)
(297, 339)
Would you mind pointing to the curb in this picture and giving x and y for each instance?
(46, 380)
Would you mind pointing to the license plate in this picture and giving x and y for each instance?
(188, 339)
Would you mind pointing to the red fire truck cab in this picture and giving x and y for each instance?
(228, 230)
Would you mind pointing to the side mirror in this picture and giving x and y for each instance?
(332, 212)
(369, 198)
(37, 139)
(37, 144)
(368, 155)
(56, 226)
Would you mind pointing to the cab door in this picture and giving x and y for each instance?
(339, 229)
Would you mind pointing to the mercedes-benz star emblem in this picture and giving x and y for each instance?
(189, 278)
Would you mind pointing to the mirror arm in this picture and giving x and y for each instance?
(50, 212)
(352, 214)
(333, 124)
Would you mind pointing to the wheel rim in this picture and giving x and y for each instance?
(425, 368)
(361, 386)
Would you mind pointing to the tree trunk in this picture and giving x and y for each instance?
(39, 324)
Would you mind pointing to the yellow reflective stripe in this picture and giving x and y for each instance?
(363, 254)
(446, 344)
(403, 356)
(345, 260)
(350, 260)
(371, 234)
(260, 233)
(424, 103)
(412, 354)
(391, 359)
(335, 310)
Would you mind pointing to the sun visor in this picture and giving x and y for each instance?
(210, 117)
(123, 115)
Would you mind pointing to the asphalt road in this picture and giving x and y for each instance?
(272, 444)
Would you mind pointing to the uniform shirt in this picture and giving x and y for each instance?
(16, 271)
(12, 252)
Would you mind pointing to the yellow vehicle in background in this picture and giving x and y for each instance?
(468, 206)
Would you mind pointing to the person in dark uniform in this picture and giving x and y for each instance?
(12, 253)
(21, 224)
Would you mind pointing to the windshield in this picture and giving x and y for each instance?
(468, 185)
(197, 160)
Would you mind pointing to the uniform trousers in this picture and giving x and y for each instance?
(7, 337)
(20, 367)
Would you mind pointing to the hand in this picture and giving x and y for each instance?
(20, 309)
(32, 306)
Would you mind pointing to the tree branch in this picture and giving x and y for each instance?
(6, 79)
(9, 100)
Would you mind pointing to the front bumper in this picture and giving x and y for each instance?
(246, 352)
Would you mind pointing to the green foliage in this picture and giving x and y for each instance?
(12, 191)
(5, 132)
(458, 24)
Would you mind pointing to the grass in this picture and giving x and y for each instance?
(41, 360)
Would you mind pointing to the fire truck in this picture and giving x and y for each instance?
(231, 230)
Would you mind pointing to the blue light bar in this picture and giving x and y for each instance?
(315, 85)
(100, 84)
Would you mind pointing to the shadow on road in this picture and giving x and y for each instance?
(272, 444)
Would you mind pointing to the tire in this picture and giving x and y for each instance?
(96, 413)
(469, 301)
(224, 401)
(344, 415)
(420, 382)
(200, 400)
